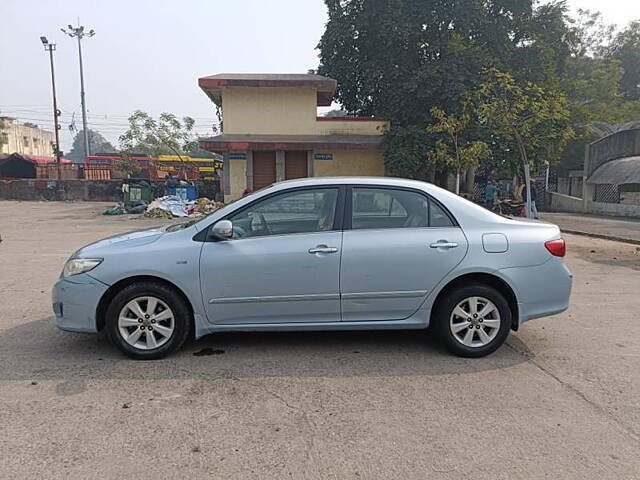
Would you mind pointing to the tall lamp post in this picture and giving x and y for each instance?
(50, 47)
(79, 33)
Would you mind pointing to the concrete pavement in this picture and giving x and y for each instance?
(623, 229)
(560, 400)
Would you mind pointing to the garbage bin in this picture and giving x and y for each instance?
(187, 193)
(136, 193)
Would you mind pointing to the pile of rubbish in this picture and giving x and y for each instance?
(171, 206)
(158, 213)
(115, 210)
(203, 206)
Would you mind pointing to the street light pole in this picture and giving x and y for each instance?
(50, 47)
(79, 33)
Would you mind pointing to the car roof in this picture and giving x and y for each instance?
(390, 181)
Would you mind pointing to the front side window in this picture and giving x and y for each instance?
(301, 211)
(389, 208)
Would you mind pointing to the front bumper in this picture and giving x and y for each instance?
(75, 300)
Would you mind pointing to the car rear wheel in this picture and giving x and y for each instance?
(148, 320)
(473, 320)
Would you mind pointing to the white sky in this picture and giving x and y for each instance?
(148, 54)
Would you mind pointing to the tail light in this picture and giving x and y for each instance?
(557, 248)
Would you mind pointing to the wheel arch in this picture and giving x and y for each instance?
(487, 279)
(112, 291)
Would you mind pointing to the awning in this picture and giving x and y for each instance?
(227, 142)
(617, 172)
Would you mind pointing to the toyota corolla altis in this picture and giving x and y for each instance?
(320, 254)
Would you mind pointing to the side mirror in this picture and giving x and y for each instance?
(222, 230)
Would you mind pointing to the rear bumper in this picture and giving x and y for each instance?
(541, 290)
(75, 301)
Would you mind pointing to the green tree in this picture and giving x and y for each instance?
(127, 165)
(625, 47)
(593, 79)
(589, 33)
(166, 135)
(536, 119)
(97, 144)
(399, 58)
(454, 149)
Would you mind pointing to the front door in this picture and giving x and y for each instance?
(283, 264)
(397, 246)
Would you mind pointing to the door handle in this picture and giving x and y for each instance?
(443, 244)
(323, 249)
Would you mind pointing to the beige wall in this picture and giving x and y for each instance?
(284, 111)
(265, 110)
(238, 179)
(37, 142)
(350, 163)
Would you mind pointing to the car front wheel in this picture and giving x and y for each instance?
(473, 320)
(148, 320)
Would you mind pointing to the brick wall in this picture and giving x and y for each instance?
(78, 190)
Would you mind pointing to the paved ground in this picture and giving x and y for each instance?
(621, 228)
(560, 400)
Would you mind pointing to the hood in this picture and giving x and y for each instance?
(136, 238)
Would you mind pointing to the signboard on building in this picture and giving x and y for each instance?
(237, 156)
(323, 156)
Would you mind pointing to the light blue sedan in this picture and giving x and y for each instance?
(320, 254)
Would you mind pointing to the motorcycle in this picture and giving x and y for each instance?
(510, 207)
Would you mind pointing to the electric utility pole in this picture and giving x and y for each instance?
(79, 33)
(50, 47)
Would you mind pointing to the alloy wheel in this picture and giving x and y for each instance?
(146, 323)
(475, 322)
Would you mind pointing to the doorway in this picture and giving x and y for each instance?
(264, 169)
(295, 164)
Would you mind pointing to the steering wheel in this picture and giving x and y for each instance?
(263, 221)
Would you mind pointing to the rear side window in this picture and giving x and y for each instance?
(388, 208)
(438, 217)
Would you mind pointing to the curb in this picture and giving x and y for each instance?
(602, 236)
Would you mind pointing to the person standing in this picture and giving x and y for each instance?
(170, 181)
(490, 193)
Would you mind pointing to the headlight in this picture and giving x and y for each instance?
(74, 266)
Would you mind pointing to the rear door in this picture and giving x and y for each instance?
(397, 246)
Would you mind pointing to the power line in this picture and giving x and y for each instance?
(44, 109)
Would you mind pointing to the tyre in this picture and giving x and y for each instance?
(148, 320)
(472, 320)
